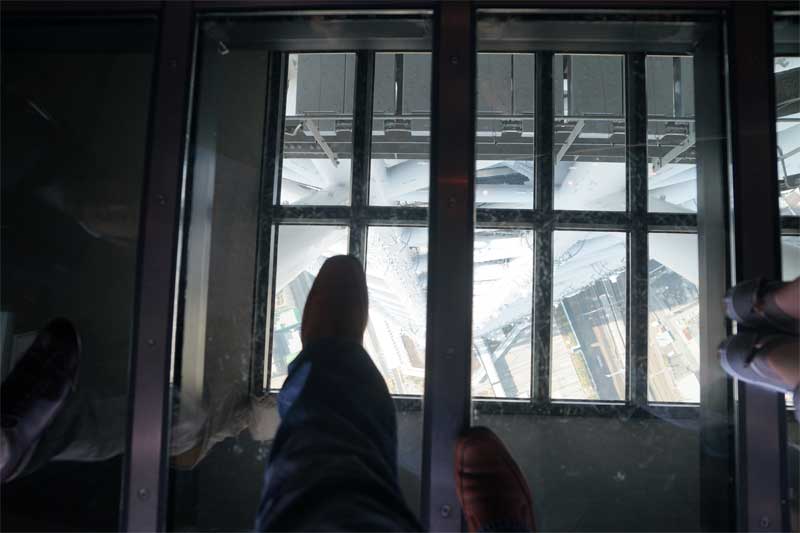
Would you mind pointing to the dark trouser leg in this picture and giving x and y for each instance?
(333, 464)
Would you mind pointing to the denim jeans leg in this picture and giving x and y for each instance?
(333, 464)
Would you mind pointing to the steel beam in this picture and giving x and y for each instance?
(760, 414)
(266, 246)
(452, 219)
(144, 494)
(716, 429)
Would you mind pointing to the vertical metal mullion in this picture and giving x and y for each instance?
(760, 414)
(446, 411)
(144, 485)
(266, 244)
(716, 435)
(543, 235)
(362, 148)
(636, 165)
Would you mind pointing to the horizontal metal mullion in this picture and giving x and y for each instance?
(576, 47)
(606, 220)
(672, 222)
(397, 215)
(488, 406)
(557, 219)
(584, 409)
(311, 214)
(505, 217)
(375, 215)
(609, 220)
(790, 225)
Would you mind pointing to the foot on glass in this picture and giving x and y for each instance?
(768, 360)
(490, 486)
(337, 305)
(753, 305)
(36, 390)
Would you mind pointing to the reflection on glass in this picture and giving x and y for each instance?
(672, 172)
(790, 270)
(589, 133)
(588, 323)
(504, 131)
(673, 332)
(397, 276)
(301, 252)
(787, 111)
(502, 301)
(790, 256)
(318, 131)
(74, 151)
(400, 169)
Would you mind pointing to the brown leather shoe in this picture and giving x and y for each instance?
(337, 305)
(493, 492)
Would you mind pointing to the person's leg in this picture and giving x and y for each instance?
(333, 464)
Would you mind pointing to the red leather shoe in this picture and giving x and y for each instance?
(493, 492)
(337, 305)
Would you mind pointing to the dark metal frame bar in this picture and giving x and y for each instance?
(716, 433)
(263, 300)
(144, 473)
(636, 167)
(362, 147)
(543, 237)
(452, 220)
(760, 414)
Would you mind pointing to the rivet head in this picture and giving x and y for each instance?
(454, 60)
(151, 342)
(445, 511)
(764, 522)
(161, 199)
(143, 494)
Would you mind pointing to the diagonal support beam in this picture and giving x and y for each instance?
(312, 128)
(673, 154)
(571, 139)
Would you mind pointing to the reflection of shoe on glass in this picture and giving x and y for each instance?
(769, 360)
(36, 390)
(493, 492)
(337, 305)
(753, 305)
